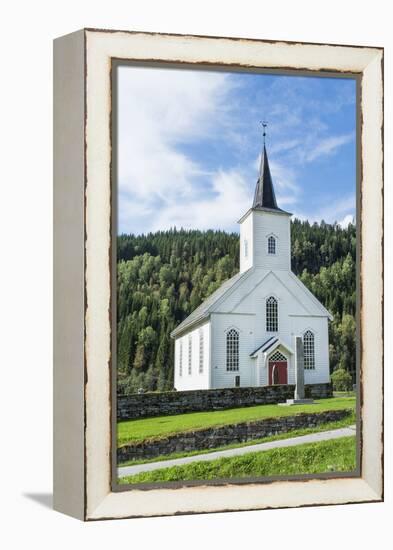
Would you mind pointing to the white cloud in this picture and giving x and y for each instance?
(285, 145)
(284, 178)
(155, 114)
(343, 210)
(349, 218)
(327, 146)
(230, 200)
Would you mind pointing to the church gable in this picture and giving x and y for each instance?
(297, 288)
(250, 296)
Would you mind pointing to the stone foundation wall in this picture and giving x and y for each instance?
(178, 402)
(210, 438)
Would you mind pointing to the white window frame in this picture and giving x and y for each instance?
(181, 357)
(272, 239)
(232, 343)
(201, 350)
(245, 248)
(271, 324)
(309, 350)
(190, 354)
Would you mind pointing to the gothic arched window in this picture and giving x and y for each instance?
(246, 248)
(201, 354)
(189, 354)
(271, 314)
(309, 350)
(232, 350)
(271, 245)
(181, 358)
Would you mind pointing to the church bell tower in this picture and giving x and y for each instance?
(265, 240)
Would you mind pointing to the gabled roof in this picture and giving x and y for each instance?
(204, 309)
(266, 345)
(270, 345)
(263, 209)
(304, 298)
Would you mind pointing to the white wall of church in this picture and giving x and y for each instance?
(249, 317)
(220, 324)
(194, 378)
(256, 290)
(319, 327)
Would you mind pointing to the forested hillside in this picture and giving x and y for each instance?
(164, 276)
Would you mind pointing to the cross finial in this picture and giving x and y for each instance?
(264, 126)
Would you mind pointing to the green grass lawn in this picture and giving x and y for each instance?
(336, 455)
(161, 426)
(347, 421)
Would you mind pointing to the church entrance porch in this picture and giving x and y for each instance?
(278, 369)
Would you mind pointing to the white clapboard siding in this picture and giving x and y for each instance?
(196, 380)
(256, 228)
(319, 327)
(221, 324)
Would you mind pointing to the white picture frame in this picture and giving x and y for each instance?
(83, 389)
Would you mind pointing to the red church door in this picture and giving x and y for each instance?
(278, 369)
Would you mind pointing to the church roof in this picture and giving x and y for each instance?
(264, 191)
(270, 344)
(203, 310)
(266, 345)
(264, 196)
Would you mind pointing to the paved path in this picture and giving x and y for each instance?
(290, 442)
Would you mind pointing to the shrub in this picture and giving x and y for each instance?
(342, 380)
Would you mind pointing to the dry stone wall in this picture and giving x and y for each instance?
(178, 402)
(210, 438)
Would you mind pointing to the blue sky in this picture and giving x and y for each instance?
(189, 145)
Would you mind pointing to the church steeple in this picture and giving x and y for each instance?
(264, 196)
(265, 232)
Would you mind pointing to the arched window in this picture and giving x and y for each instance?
(201, 354)
(181, 358)
(246, 248)
(189, 354)
(309, 350)
(233, 350)
(271, 245)
(271, 314)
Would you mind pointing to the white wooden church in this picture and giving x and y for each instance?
(244, 333)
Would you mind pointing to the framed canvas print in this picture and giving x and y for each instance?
(218, 274)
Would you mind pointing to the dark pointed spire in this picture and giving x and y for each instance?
(264, 197)
(264, 192)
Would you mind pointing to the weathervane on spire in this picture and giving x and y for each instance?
(264, 125)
